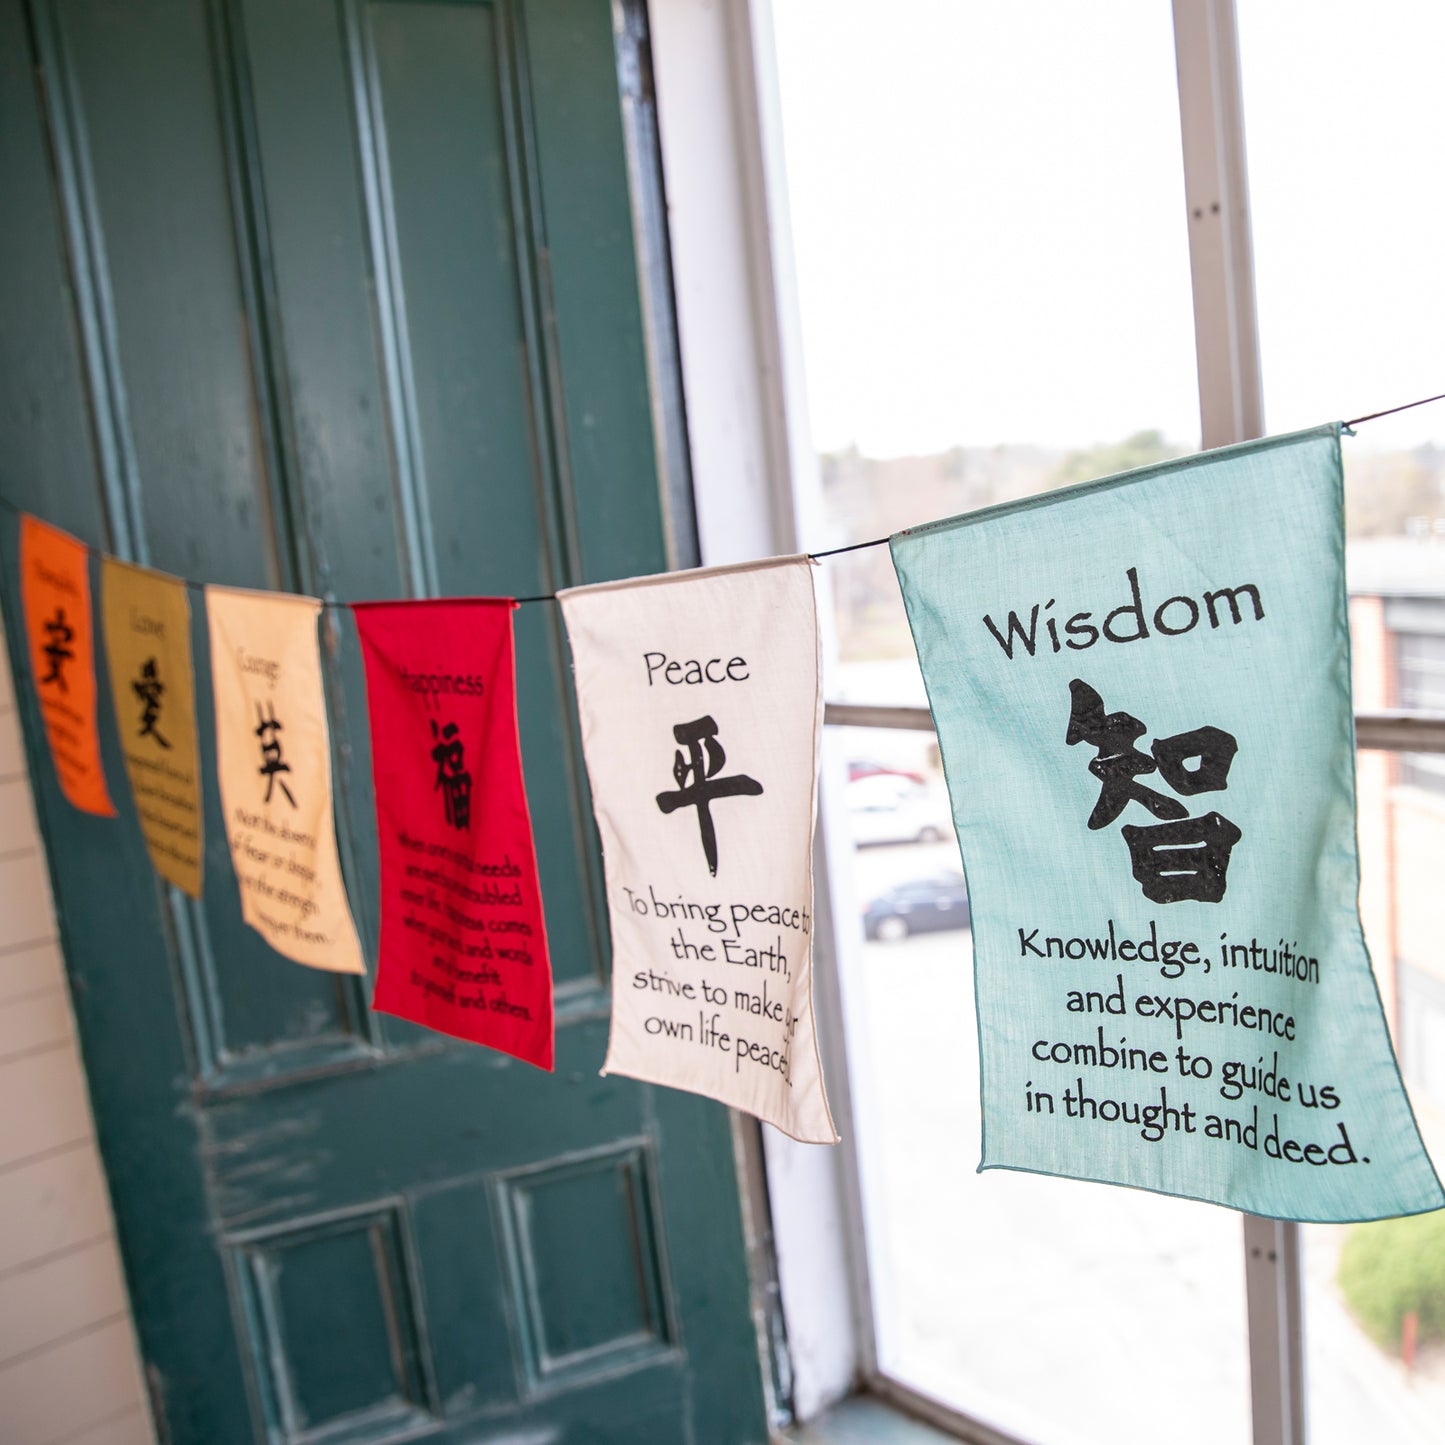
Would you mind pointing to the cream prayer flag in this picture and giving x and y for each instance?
(700, 707)
(273, 757)
(148, 652)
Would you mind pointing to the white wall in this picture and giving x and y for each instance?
(69, 1368)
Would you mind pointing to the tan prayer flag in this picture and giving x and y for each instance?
(55, 586)
(147, 619)
(273, 757)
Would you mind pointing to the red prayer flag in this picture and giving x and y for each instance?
(463, 939)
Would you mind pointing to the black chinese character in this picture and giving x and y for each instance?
(149, 688)
(1118, 761)
(452, 778)
(1189, 859)
(1183, 857)
(56, 652)
(1215, 750)
(271, 764)
(698, 783)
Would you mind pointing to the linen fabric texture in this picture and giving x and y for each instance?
(699, 700)
(147, 617)
(60, 631)
(273, 761)
(463, 940)
(1142, 693)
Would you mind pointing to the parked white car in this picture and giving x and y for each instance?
(891, 808)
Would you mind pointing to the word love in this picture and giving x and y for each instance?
(1128, 622)
(146, 625)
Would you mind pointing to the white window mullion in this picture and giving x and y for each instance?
(1231, 409)
(1216, 193)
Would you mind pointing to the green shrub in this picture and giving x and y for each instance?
(1393, 1267)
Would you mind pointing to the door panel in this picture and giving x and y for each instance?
(342, 295)
(331, 1306)
(136, 94)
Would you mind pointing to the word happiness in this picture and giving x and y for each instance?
(432, 685)
(1126, 623)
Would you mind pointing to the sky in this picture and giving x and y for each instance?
(987, 209)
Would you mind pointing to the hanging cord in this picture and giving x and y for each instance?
(1409, 406)
(10, 506)
(1348, 426)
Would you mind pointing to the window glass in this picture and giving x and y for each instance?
(1343, 114)
(987, 208)
(1058, 1310)
(992, 260)
(1372, 1373)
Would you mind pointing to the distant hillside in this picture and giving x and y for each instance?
(1388, 494)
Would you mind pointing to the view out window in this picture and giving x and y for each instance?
(988, 219)
(1351, 313)
(987, 207)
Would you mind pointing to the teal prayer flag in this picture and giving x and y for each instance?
(1141, 688)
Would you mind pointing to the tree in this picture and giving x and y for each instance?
(1142, 449)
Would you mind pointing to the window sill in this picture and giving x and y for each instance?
(865, 1420)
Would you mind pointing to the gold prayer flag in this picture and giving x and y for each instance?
(147, 618)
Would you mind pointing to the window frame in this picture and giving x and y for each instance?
(756, 487)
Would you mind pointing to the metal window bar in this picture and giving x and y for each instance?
(1398, 730)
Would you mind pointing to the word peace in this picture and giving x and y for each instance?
(692, 671)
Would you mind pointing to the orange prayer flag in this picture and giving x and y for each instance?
(55, 587)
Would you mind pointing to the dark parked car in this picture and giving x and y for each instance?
(921, 905)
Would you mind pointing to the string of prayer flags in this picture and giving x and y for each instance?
(147, 618)
(273, 758)
(55, 589)
(463, 939)
(700, 707)
(1142, 693)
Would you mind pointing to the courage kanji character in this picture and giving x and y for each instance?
(271, 764)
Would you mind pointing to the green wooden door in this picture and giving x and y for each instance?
(342, 296)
